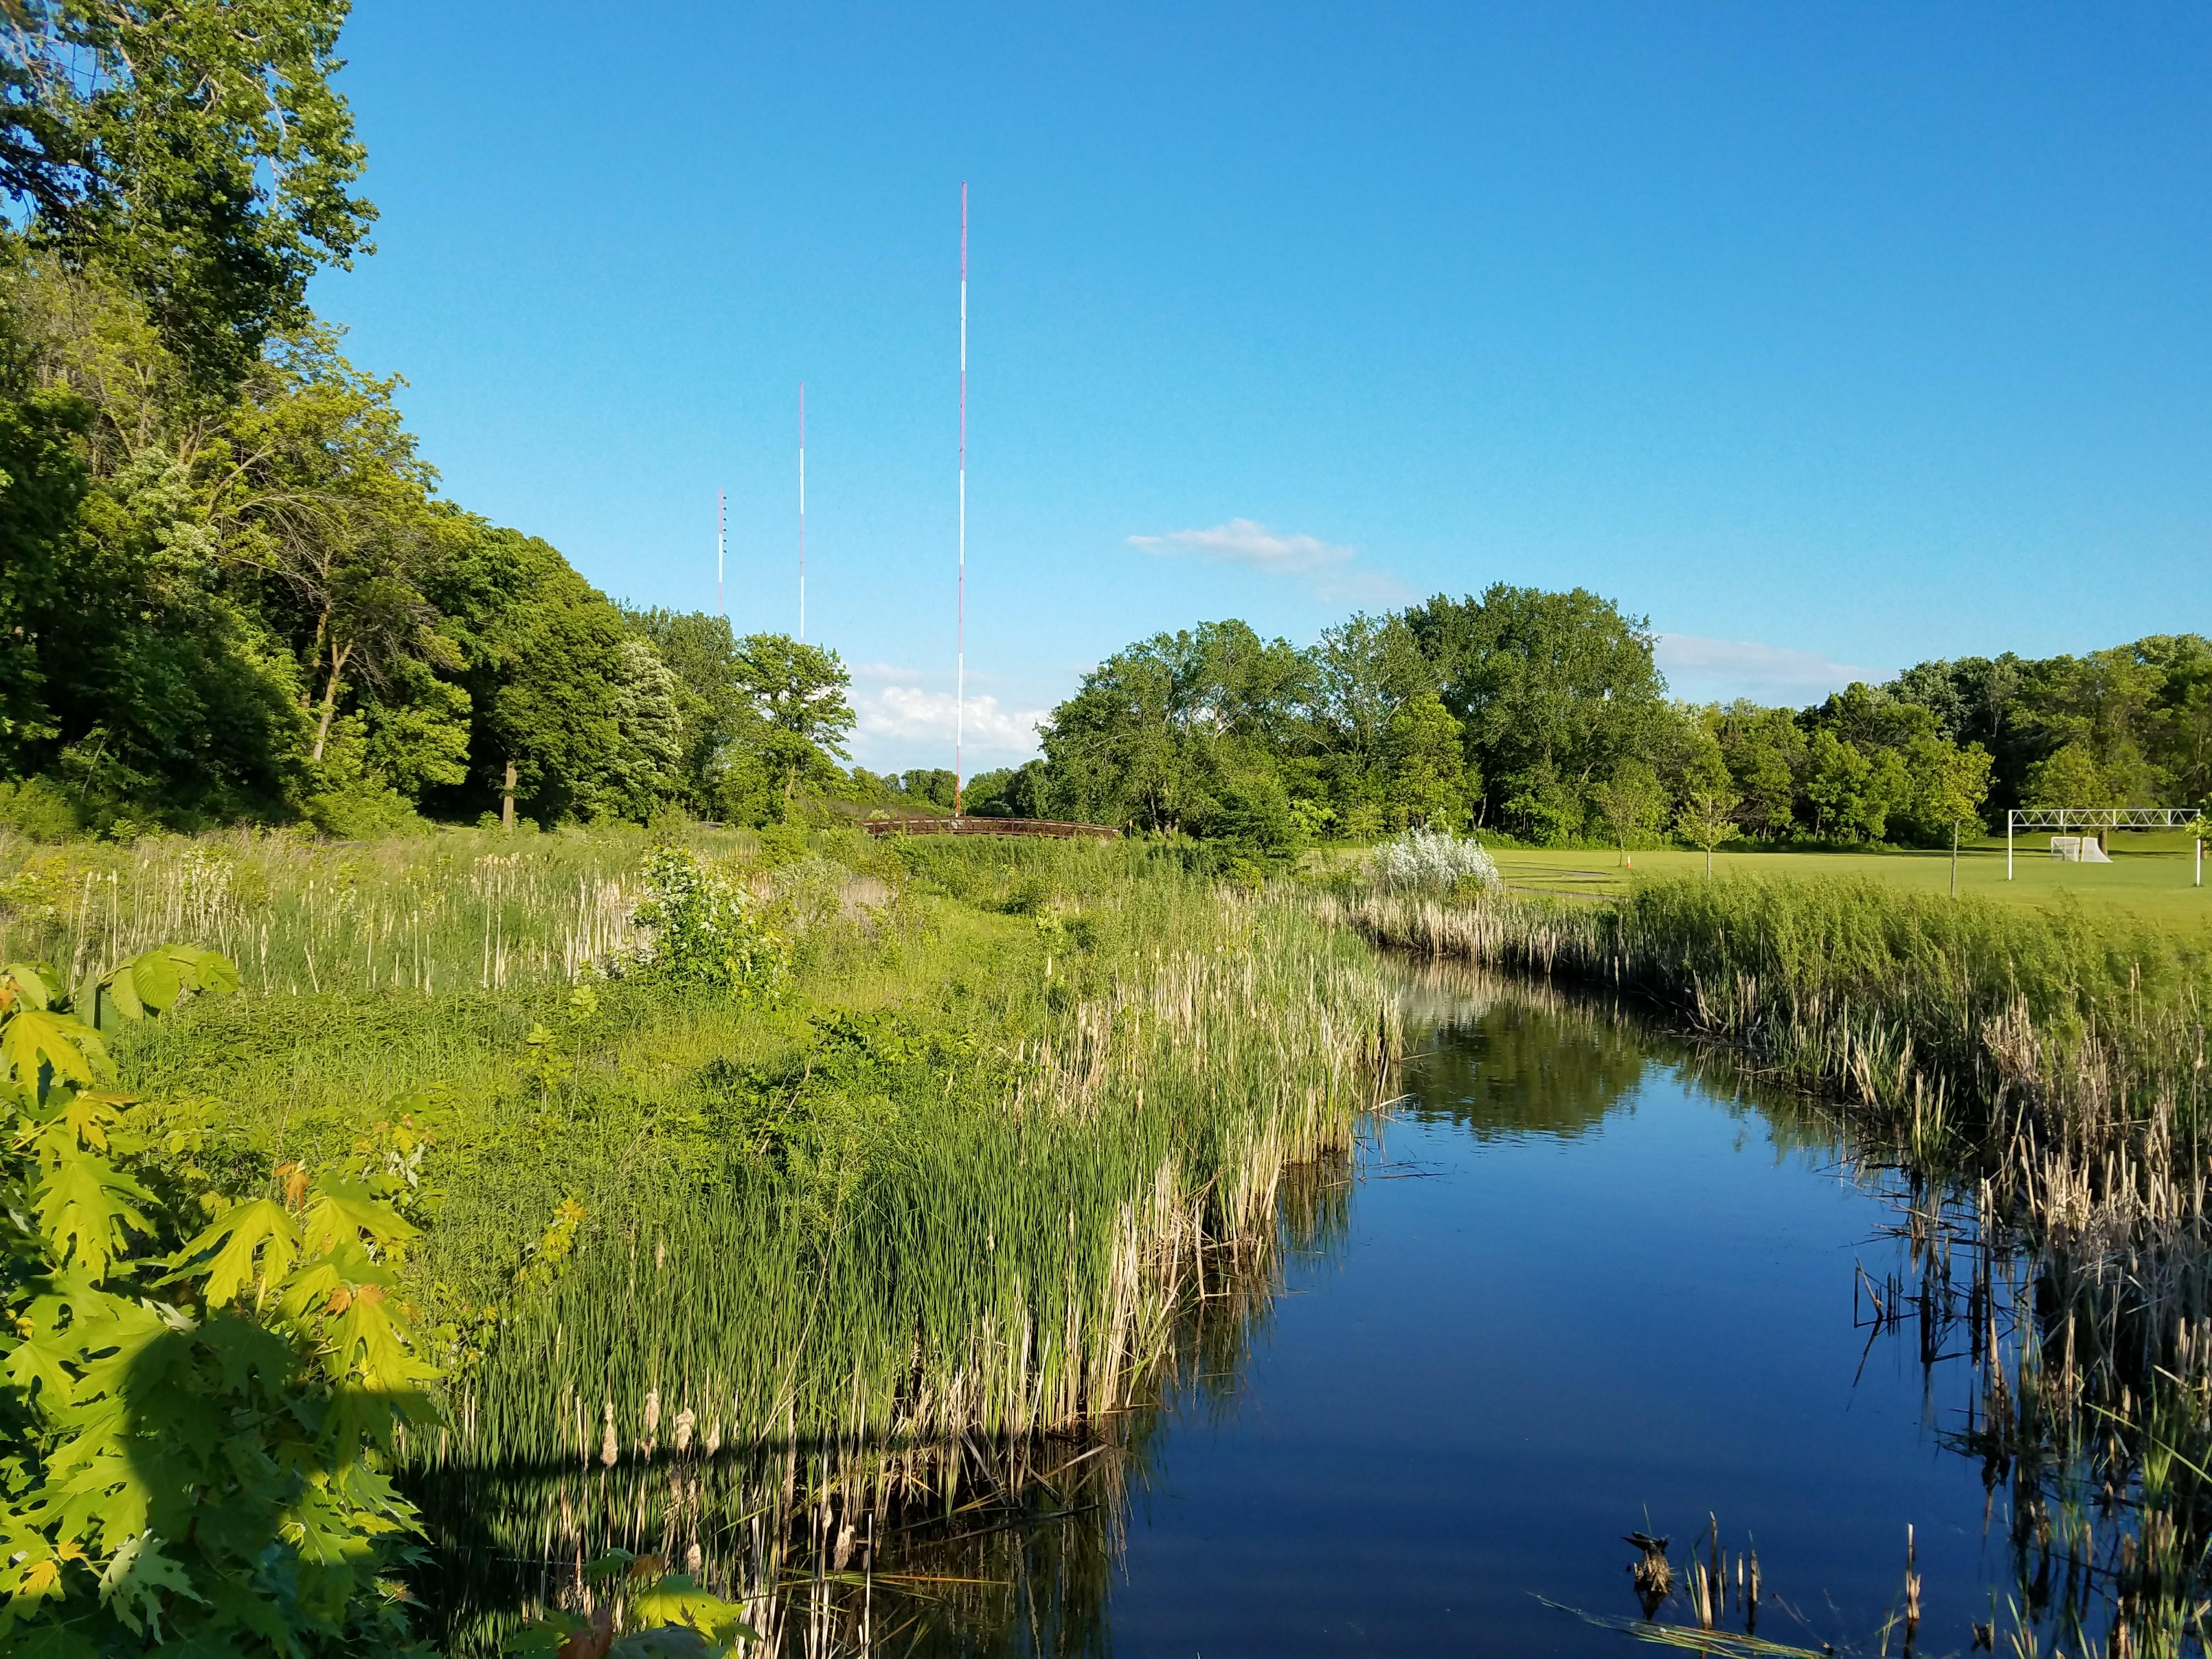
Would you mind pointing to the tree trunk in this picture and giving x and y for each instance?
(1709, 860)
(330, 699)
(507, 800)
(1954, 861)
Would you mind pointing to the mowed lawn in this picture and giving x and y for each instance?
(2149, 875)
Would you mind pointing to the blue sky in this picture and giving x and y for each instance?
(1830, 338)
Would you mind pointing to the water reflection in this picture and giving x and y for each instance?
(1502, 1065)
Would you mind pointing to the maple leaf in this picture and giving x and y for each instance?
(40, 1360)
(84, 1204)
(253, 1241)
(132, 1585)
(342, 1211)
(38, 1580)
(33, 1040)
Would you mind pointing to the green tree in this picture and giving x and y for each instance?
(1841, 786)
(801, 695)
(1765, 751)
(1364, 672)
(196, 150)
(1949, 785)
(1551, 688)
(1426, 761)
(1631, 800)
(717, 715)
(1706, 817)
(2070, 776)
(575, 715)
(1153, 735)
(2103, 705)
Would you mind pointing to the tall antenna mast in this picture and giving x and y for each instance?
(960, 682)
(721, 546)
(802, 512)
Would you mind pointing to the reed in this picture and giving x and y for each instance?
(872, 1305)
(2065, 1056)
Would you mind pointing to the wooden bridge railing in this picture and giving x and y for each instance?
(918, 825)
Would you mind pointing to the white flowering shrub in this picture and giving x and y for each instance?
(702, 928)
(1433, 861)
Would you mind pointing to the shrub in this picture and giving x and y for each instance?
(704, 929)
(37, 810)
(200, 1442)
(1434, 861)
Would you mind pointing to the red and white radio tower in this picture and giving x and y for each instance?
(960, 680)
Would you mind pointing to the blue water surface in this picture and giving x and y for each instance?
(1583, 1291)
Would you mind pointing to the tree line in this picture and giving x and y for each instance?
(230, 588)
(1545, 716)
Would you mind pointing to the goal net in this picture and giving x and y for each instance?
(2078, 849)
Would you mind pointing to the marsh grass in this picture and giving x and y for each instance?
(2061, 1054)
(867, 1251)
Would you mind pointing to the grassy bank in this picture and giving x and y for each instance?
(2062, 1053)
(2149, 878)
(748, 1277)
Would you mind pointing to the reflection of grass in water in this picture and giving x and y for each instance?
(2090, 1355)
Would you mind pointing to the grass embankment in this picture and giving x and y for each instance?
(837, 1249)
(2149, 878)
(2065, 1049)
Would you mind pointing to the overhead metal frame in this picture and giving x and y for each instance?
(2104, 818)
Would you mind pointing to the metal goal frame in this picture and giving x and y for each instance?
(2062, 818)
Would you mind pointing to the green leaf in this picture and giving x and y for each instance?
(121, 989)
(32, 1039)
(84, 1207)
(339, 1210)
(32, 981)
(368, 1340)
(678, 1602)
(157, 978)
(252, 1242)
(217, 975)
(132, 1585)
(38, 1360)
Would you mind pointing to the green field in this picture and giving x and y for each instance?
(2149, 876)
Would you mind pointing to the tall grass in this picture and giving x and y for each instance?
(848, 1255)
(2065, 1055)
(463, 909)
(894, 1307)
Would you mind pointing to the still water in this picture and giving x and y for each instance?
(1577, 1284)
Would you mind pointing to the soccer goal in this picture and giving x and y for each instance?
(2078, 849)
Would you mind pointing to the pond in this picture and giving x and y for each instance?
(1579, 1284)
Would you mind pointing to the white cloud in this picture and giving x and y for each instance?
(907, 715)
(1705, 670)
(1324, 566)
(883, 671)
